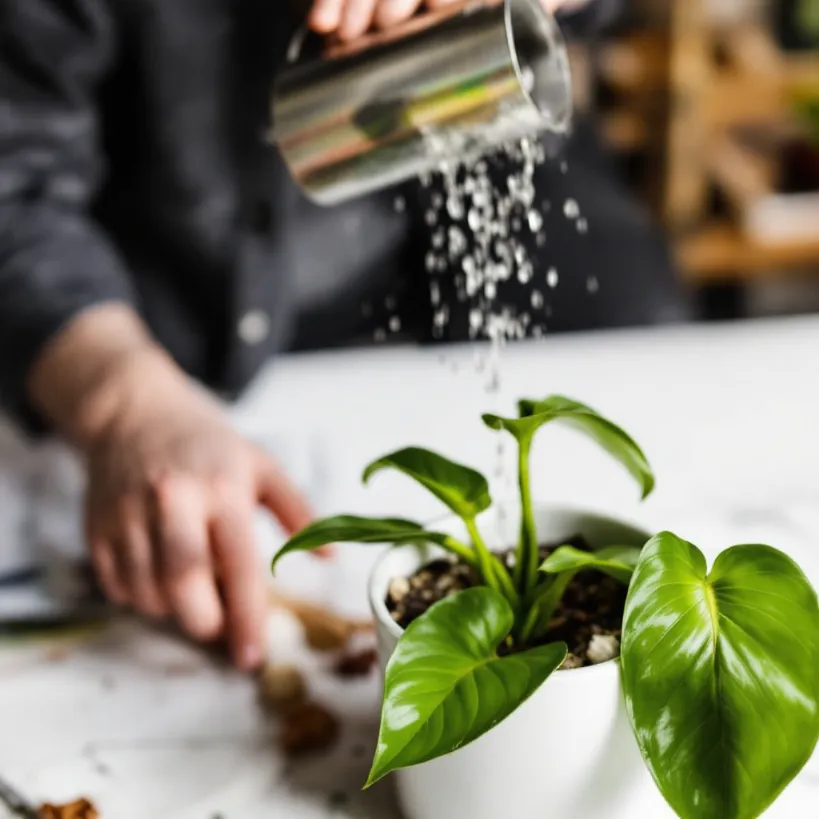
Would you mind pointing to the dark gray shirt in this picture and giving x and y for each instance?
(133, 168)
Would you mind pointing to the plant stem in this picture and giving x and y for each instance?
(463, 551)
(545, 604)
(494, 574)
(527, 559)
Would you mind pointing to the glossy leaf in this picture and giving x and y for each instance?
(721, 675)
(533, 414)
(616, 561)
(463, 490)
(445, 685)
(352, 529)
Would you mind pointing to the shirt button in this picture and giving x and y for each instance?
(254, 327)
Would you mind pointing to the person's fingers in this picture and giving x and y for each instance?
(182, 549)
(105, 566)
(136, 554)
(357, 18)
(325, 16)
(391, 12)
(278, 495)
(244, 584)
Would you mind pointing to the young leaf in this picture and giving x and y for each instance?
(445, 684)
(463, 490)
(352, 529)
(608, 435)
(616, 561)
(720, 675)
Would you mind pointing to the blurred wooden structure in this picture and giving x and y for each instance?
(681, 89)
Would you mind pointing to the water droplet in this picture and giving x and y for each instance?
(431, 218)
(457, 241)
(540, 239)
(434, 293)
(438, 239)
(582, 225)
(437, 200)
(400, 204)
(571, 209)
(379, 335)
(395, 324)
(490, 290)
(564, 167)
(592, 285)
(455, 208)
(474, 220)
(475, 319)
(535, 221)
(552, 278)
(430, 262)
(525, 273)
(537, 299)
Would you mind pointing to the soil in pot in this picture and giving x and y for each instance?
(589, 619)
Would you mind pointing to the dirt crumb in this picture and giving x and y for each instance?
(282, 688)
(308, 728)
(81, 809)
(356, 664)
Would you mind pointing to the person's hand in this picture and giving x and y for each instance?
(172, 488)
(349, 19)
(170, 510)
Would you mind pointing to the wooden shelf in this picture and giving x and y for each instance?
(720, 252)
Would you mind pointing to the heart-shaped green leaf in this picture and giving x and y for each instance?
(533, 414)
(463, 490)
(615, 561)
(445, 685)
(721, 675)
(352, 529)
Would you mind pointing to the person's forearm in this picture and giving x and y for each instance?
(104, 358)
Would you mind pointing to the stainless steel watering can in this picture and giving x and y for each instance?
(394, 105)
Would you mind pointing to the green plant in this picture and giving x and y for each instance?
(807, 16)
(720, 670)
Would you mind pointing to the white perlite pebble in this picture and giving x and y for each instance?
(602, 647)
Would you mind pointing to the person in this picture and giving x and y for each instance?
(149, 241)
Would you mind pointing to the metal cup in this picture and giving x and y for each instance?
(398, 104)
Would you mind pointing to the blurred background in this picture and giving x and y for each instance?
(695, 157)
(712, 108)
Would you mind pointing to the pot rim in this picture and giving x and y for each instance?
(377, 593)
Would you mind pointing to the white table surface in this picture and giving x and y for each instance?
(149, 726)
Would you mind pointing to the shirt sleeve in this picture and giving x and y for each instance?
(55, 262)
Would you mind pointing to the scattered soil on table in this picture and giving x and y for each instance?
(81, 809)
(589, 619)
(282, 688)
(356, 664)
(308, 728)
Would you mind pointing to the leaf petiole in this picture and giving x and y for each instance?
(493, 571)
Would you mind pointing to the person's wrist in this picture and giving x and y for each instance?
(131, 385)
(103, 365)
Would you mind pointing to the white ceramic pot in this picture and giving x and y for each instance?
(566, 753)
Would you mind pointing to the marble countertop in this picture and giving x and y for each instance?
(147, 725)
